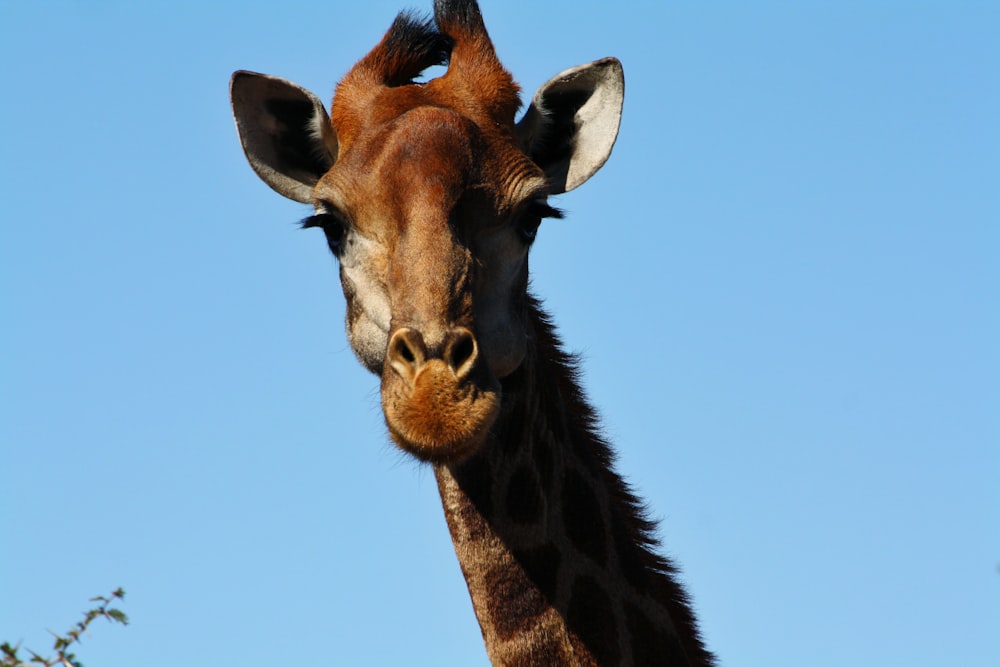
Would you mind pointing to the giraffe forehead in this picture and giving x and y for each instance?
(423, 162)
(429, 157)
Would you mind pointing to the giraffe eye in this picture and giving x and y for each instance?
(527, 228)
(531, 218)
(333, 227)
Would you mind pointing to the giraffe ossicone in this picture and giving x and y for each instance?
(430, 194)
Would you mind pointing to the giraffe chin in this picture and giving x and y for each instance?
(438, 418)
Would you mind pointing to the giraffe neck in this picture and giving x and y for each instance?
(555, 550)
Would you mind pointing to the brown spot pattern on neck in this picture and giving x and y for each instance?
(556, 552)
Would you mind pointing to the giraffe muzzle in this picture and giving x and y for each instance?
(439, 400)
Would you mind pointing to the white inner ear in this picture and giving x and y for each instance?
(598, 121)
(324, 139)
(572, 123)
(285, 132)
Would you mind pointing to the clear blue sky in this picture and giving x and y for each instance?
(785, 284)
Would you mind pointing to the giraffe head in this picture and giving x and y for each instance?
(430, 194)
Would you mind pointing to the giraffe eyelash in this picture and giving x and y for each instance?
(542, 209)
(321, 220)
(333, 227)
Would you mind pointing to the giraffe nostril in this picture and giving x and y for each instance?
(407, 352)
(404, 351)
(460, 352)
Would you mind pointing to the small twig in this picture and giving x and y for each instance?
(62, 643)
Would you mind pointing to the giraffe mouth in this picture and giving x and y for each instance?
(439, 407)
(437, 418)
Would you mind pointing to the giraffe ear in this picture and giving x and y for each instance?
(285, 132)
(572, 122)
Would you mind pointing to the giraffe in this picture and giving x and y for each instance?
(430, 195)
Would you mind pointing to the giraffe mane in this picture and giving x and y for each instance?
(637, 548)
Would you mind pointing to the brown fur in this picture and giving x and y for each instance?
(430, 204)
(537, 595)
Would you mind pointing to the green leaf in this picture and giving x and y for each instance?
(118, 616)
